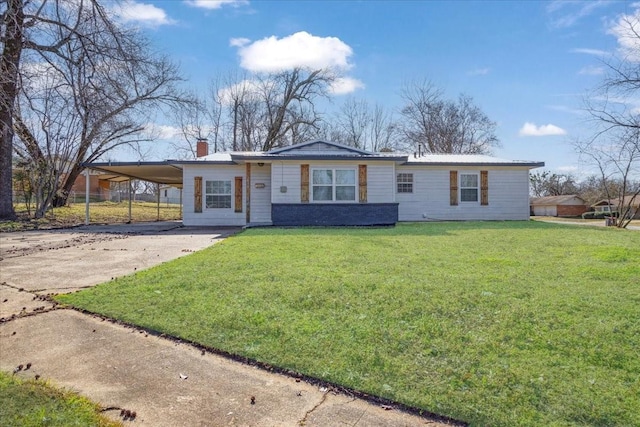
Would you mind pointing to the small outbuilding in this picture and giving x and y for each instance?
(566, 205)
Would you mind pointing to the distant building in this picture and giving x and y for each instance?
(566, 205)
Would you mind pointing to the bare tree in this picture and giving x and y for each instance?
(352, 122)
(614, 147)
(289, 98)
(102, 86)
(438, 125)
(545, 183)
(383, 131)
(193, 120)
(616, 154)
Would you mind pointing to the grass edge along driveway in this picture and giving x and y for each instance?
(492, 323)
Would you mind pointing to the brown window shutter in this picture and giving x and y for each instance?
(484, 188)
(304, 183)
(238, 194)
(453, 188)
(362, 183)
(197, 194)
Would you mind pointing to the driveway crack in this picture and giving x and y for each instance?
(303, 421)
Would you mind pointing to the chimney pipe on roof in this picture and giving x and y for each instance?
(202, 147)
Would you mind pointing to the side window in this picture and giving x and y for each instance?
(468, 187)
(404, 182)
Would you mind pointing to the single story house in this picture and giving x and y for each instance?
(327, 184)
(613, 205)
(566, 205)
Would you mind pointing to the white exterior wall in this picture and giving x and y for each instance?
(172, 195)
(508, 195)
(212, 216)
(380, 179)
(260, 197)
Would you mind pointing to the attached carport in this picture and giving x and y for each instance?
(159, 173)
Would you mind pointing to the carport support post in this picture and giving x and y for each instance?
(130, 191)
(86, 196)
(158, 200)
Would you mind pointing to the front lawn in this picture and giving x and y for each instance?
(502, 324)
(28, 403)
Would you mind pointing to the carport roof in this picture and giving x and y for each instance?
(165, 172)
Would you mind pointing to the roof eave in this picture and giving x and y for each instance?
(530, 165)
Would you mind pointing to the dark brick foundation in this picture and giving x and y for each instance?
(334, 214)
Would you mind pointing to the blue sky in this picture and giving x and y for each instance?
(528, 64)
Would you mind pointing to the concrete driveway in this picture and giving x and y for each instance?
(165, 382)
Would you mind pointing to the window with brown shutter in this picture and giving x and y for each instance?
(304, 183)
(453, 188)
(362, 183)
(484, 188)
(197, 194)
(238, 194)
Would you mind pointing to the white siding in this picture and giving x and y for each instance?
(380, 179)
(212, 216)
(285, 175)
(261, 197)
(508, 195)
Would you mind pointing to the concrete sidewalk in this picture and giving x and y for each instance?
(166, 383)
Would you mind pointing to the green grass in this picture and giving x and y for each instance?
(500, 324)
(27, 403)
(99, 212)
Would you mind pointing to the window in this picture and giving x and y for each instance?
(217, 194)
(333, 185)
(468, 187)
(405, 182)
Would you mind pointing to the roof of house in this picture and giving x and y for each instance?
(170, 171)
(467, 159)
(629, 198)
(556, 200)
(326, 150)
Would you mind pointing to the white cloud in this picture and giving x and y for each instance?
(158, 131)
(626, 29)
(592, 70)
(595, 52)
(239, 42)
(566, 13)
(146, 14)
(301, 49)
(565, 109)
(216, 4)
(530, 129)
(344, 85)
(479, 72)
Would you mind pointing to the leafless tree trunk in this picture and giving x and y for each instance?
(93, 94)
(12, 39)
